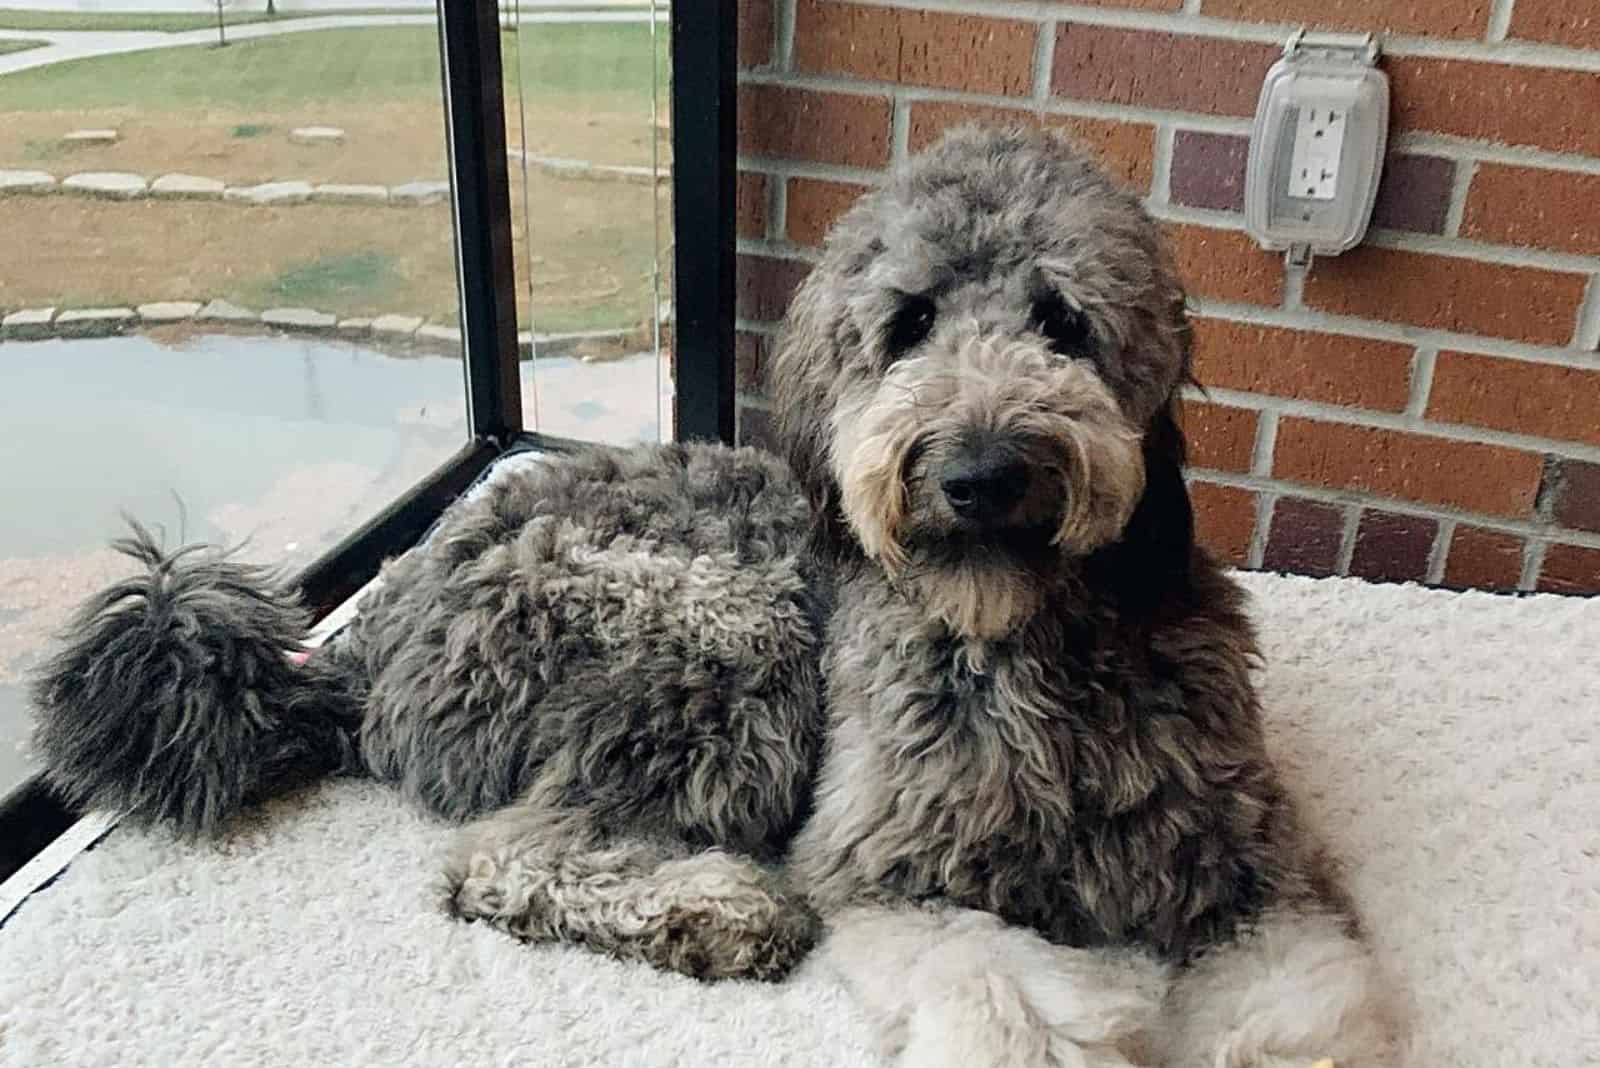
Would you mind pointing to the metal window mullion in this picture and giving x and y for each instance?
(485, 271)
(704, 102)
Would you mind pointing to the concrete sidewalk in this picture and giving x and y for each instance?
(67, 45)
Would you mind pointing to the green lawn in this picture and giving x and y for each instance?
(236, 16)
(18, 46)
(387, 63)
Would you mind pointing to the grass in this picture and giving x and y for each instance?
(9, 46)
(340, 279)
(331, 68)
(226, 113)
(51, 21)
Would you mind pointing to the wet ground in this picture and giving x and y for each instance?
(281, 443)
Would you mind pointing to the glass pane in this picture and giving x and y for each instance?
(228, 282)
(587, 109)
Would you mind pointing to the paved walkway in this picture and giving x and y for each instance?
(67, 45)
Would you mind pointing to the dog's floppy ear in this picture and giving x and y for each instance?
(801, 383)
(1151, 562)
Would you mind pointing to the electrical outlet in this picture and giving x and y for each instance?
(1317, 146)
(1318, 153)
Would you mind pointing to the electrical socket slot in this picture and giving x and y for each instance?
(1317, 155)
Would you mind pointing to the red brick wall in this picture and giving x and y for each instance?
(1425, 408)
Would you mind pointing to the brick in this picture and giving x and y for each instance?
(1220, 437)
(1224, 519)
(1392, 548)
(1225, 265)
(1414, 467)
(1576, 491)
(1159, 70)
(1448, 293)
(1570, 569)
(1434, 18)
(1535, 207)
(1208, 170)
(814, 205)
(764, 286)
(755, 33)
(1414, 194)
(750, 362)
(1483, 560)
(1304, 538)
(1519, 396)
(971, 53)
(756, 427)
(1575, 23)
(1543, 107)
(750, 205)
(1124, 149)
(802, 124)
(1301, 364)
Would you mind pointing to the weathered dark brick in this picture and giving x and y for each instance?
(1415, 194)
(1304, 538)
(1570, 569)
(1577, 494)
(1392, 548)
(1483, 560)
(1208, 170)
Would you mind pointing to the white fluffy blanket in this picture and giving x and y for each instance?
(1445, 744)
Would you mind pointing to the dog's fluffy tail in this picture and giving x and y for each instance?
(175, 700)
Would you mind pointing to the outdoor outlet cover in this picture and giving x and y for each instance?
(1317, 146)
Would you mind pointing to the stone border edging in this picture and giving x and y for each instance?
(125, 185)
(41, 324)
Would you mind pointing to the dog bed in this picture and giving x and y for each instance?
(1445, 744)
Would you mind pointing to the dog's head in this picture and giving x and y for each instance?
(977, 382)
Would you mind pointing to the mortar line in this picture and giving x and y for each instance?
(1460, 189)
(1499, 20)
(1533, 554)
(1439, 553)
(1422, 364)
(1348, 534)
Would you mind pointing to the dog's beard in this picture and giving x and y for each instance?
(1086, 467)
(981, 584)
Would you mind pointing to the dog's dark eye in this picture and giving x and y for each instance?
(910, 326)
(1065, 327)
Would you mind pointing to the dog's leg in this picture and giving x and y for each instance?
(959, 988)
(547, 874)
(1295, 989)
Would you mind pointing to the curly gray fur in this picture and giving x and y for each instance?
(1037, 699)
(175, 702)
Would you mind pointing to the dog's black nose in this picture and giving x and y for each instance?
(985, 487)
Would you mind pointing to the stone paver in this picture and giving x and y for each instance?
(91, 137)
(446, 336)
(299, 319)
(26, 181)
(168, 311)
(316, 135)
(93, 322)
(187, 185)
(27, 323)
(343, 192)
(419, 192)
(116, 185)
(222, 311)
(270, 193)
(396, 325)
(355, 327)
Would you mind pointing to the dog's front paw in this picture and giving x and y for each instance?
(481, 888)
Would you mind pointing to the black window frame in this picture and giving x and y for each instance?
(703, 51)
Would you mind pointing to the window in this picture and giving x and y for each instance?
(299, 289)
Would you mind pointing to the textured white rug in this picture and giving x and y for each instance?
(1446, 744)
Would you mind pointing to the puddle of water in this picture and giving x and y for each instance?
(284, 443)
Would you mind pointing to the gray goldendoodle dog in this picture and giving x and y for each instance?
(955, 687)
